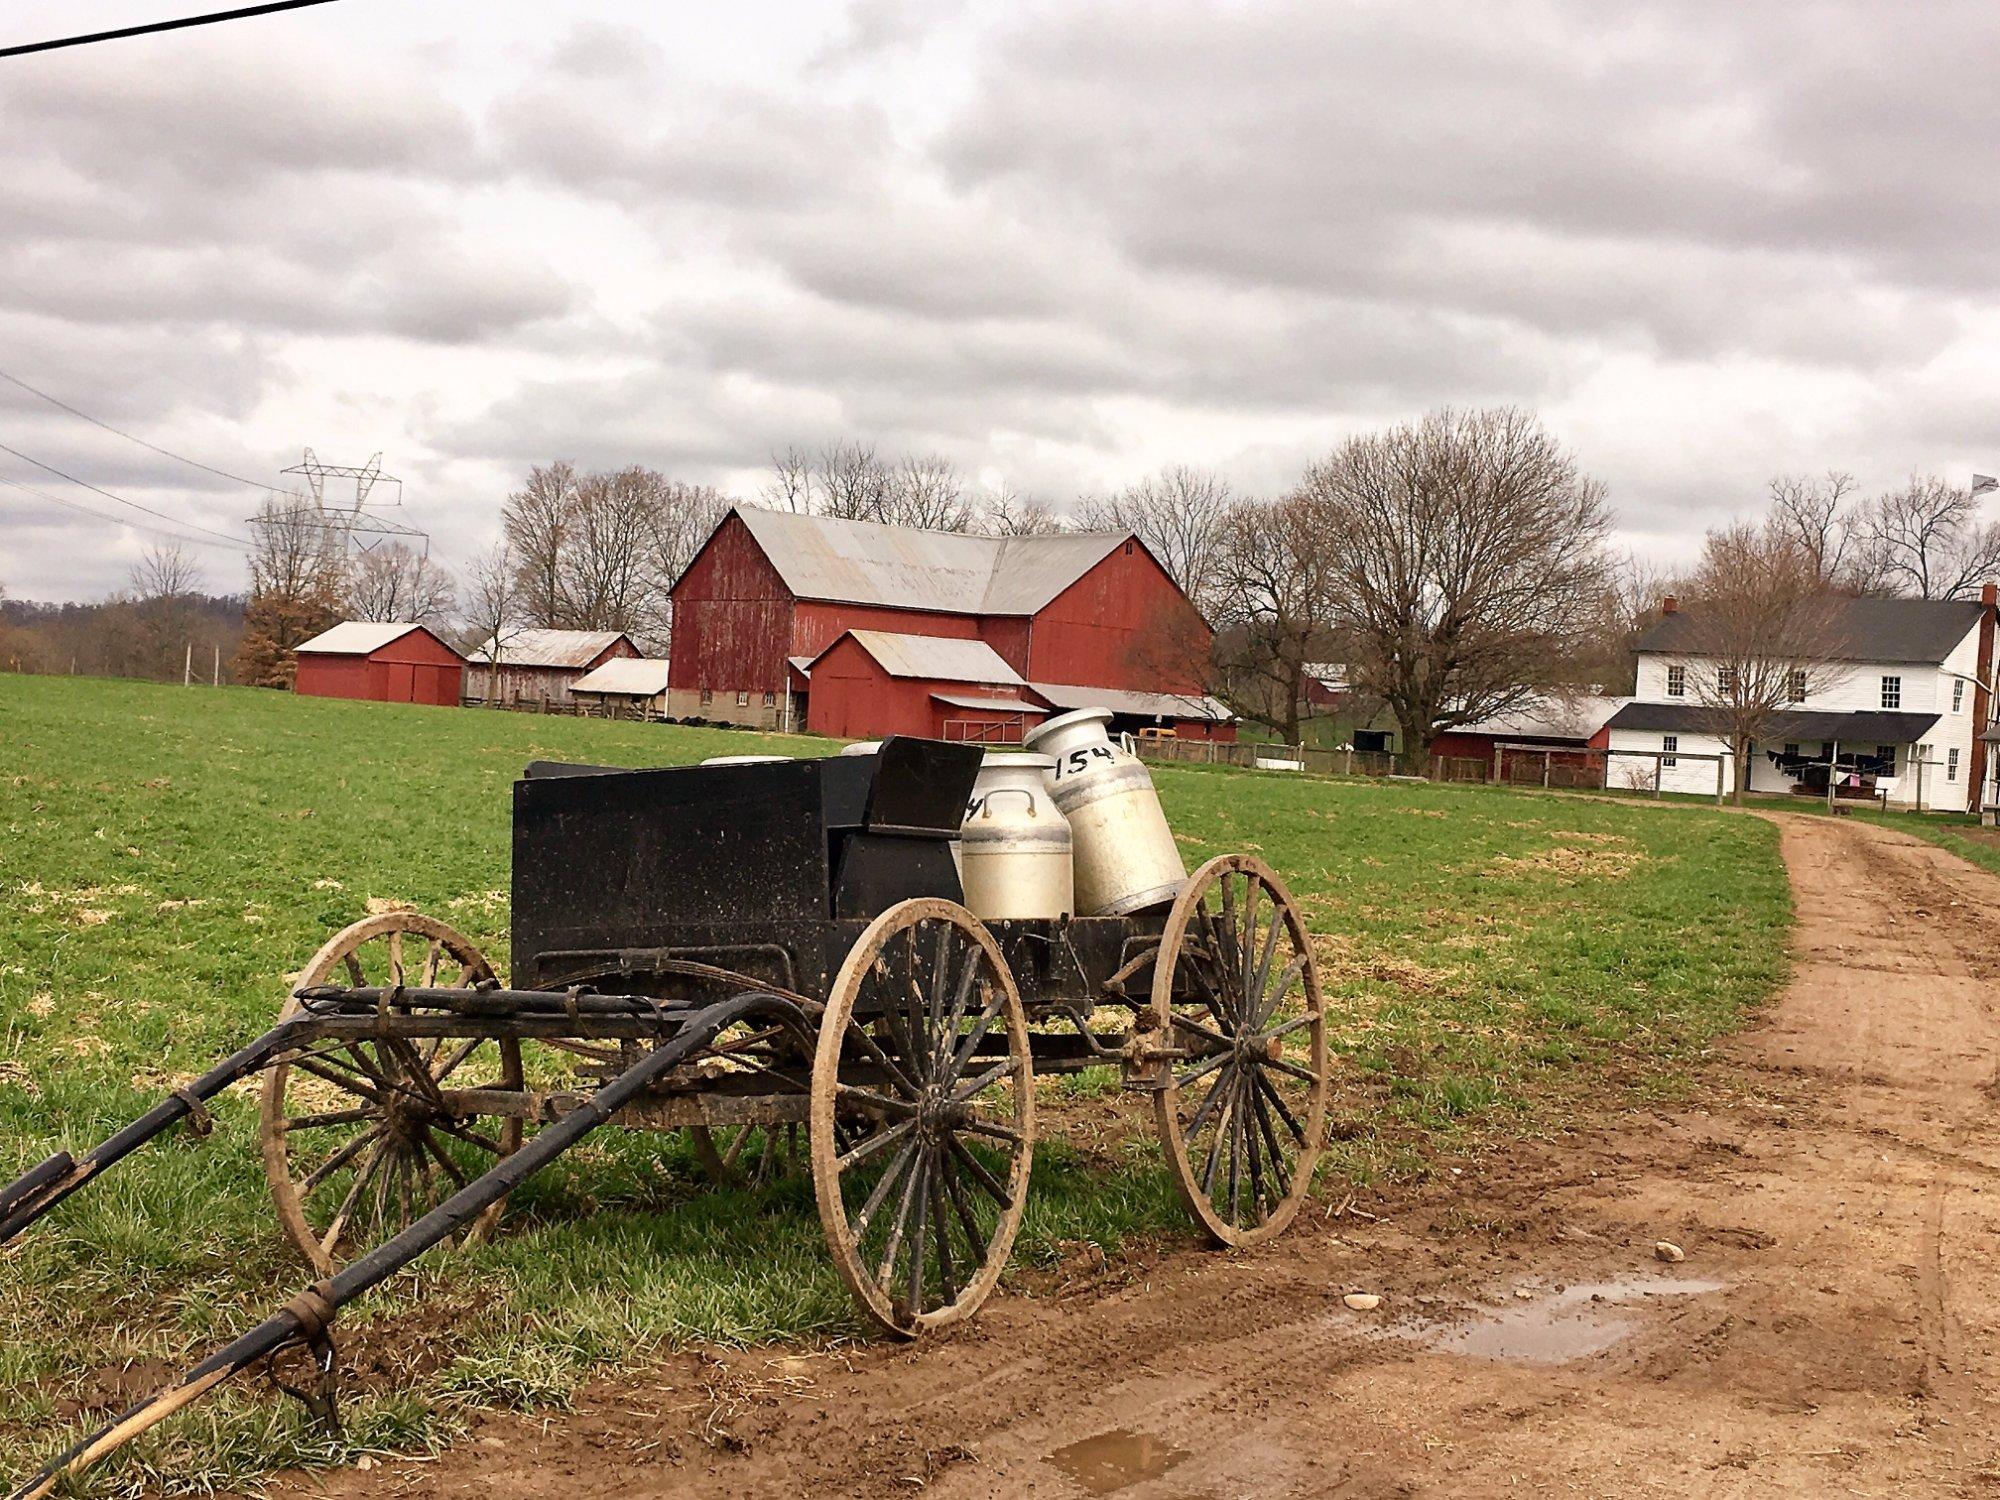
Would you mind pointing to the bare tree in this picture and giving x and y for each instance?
(686, 514)
(1008, 512)
(1181, 514)
(537, 521)
(166, 571)
(395, 582)
(1763, 631)
(298, 565)
(1627, 606)
(927, 491)
(1272, 585)
(1467, 555)
(850, 482)
(791, 484)
(1927, 539)
(492, 610)
(1815, 514)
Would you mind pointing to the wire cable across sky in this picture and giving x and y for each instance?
(76, 505)
(182, 458)
(240, 13)
(181, 521)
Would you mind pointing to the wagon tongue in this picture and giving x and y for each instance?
(24, 1189)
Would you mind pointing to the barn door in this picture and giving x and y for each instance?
(402, 682)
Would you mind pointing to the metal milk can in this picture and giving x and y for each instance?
(1126, 857)
(1015, 846)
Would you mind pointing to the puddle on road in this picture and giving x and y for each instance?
(1115, 1459)
(1556, 1327)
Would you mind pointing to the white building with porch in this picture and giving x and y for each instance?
(1898, 715)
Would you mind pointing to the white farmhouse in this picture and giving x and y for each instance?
(1896, 713)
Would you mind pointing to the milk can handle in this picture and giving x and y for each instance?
(986, 802)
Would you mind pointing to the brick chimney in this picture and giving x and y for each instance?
(1670, 605)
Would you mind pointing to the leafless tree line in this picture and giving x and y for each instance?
(595, 551)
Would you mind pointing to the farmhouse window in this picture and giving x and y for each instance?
(1951, 764)
(1887, 755)
(1725, 679)
(1958, 695)
(1670, 743)
(1677, 682)
(770, 698)
(1791, 752)
(1892, 692)
(743, 697)
(1795, 689)
(707, 696)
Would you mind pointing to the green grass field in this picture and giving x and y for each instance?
(167, 856)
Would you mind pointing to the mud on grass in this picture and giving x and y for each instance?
(168, 856)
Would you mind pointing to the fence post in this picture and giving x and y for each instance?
(1718, 782)
(1547, 761)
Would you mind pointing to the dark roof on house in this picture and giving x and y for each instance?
(1869, 727)
(905, 567)
(1909, 630)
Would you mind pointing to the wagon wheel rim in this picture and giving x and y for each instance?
(1237, 1004)
(356, 1145)
(923, 1057)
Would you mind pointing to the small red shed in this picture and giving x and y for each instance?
(872, 683)
(386, 661)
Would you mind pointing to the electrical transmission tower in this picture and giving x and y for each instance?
(355, 525)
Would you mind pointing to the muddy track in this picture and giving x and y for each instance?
(1829, 1332)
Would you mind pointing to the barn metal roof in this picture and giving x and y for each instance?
(934, 657)
(1871, 630)
(1126, 701)
(997, 705)
(548, 648)
(357, 637)
(1557, 717)
(902, 567)
(625, 677)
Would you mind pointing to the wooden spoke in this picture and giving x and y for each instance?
(920, 992)
(1236, 945)
(358, 1139)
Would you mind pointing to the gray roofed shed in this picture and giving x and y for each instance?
(550, 648)
(933, 657)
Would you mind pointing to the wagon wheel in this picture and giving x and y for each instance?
(923, 1116)
(1242, 1106)
(357, 1143)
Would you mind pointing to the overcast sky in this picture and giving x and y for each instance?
(1063, 244)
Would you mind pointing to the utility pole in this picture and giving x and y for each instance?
(216, 681)
(187, 667)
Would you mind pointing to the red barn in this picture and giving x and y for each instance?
(391, 663)
(770, 592)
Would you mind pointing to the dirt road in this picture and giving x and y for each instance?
(1829, 1332)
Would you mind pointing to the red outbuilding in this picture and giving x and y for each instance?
(871, 683)
(388, 662)
(768, 594)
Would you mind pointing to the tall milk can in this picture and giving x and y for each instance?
(1015, 846)
(1126, 857)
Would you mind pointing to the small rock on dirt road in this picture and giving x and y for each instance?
(1362, 1301)
(1668, 1251)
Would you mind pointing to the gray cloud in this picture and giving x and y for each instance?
(1063, 243)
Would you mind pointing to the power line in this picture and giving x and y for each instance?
(150, 27)
(86, 484)
(28, 489)
(131, 438)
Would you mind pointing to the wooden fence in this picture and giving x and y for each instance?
(1376, 763)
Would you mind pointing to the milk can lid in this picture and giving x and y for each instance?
(1064, 721)
(1017, 760)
